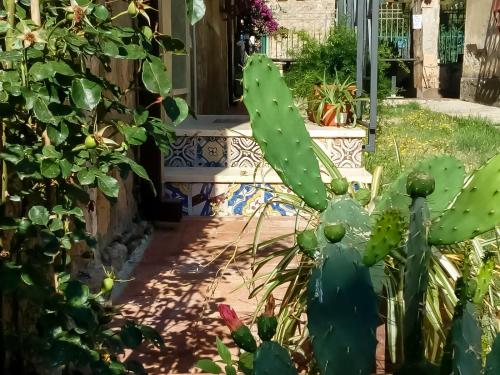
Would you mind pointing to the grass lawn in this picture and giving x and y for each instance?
(407, 134)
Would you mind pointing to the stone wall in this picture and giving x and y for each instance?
(481, 67)
(430, 35)
(310, 15)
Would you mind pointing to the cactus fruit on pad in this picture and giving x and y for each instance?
(272, 359)
(475, 210)
(280, 131)
(386, 235)
(342, 313)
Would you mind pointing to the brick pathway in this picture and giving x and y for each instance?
(170, 287)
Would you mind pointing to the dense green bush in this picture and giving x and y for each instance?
(335, 54)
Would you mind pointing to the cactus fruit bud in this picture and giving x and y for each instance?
(308, 242)
(339, 186)
(363, 196)
(239, 332)
(334, 232)
(267, 322)
(419, 184)
(107, 285)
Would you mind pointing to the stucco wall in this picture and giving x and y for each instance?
(430, 35)
(309, 15)
(481, 67)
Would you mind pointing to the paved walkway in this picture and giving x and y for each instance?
(456, 107)
(171, 284)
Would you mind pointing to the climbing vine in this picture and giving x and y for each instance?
(66, 130)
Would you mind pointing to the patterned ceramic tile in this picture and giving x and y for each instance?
(344, 152)
(278, 208)
(211, 152)
(243, 199)
(182, 153)
(244, 152)
(181, 192)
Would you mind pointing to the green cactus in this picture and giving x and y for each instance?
(266, 326)
(272, 359)
(418, 253)
(449, 175)
(339, 186)
(363, 196)
(244, 339)
(280, 132)
(342, 313)
(484, 279)
(493, 358)
(386, 235)
(462, 353)
(308, 242)
(334, 232)
(475, 210)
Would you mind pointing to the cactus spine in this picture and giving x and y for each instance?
(342, 313)
(280, 132)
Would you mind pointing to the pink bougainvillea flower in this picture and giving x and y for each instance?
(229, 316)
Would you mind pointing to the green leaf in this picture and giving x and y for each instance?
(42, 111)
(195, 10)
(4, 26)
(26, 279)
(223, 352)
(152, 335)
(131, 52)
(39, 215)
(141, 116)
(58, 135)
(109, 48)
(245, 363)
(139, 170)
(101, 12)
(134, 135)
(208, 366)
(135, 367)
(40, 71)
(85, 94)
(77, 293)
(50, 168)
(50, 151)
(155, 76)
(170, 44)
(66, 167)
(230, 370)
(131, 335)
(176, 108)
(56, 224)
(86, 176)
(108, 185)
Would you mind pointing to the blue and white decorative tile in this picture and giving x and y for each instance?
(243, 199)
(211, 152)
(278, 208)
(182, 153)
(181, 192)
(344, 152)
(244, 152)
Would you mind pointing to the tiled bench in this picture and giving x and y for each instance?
(216, 168)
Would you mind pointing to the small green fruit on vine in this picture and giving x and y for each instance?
(90, 142)
(107, 285)
(420, 184)
(70, 16)
(339, 186)
(132, 9)
(334, 232)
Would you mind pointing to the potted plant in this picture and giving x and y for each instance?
(334, 102)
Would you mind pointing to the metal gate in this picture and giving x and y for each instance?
(451, 34)
(394, 28)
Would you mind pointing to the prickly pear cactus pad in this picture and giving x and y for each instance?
(493, 358)
(342, 313)
(463, 350)
(272, 359)
(280, 132)
(475, 210)
(386, 235)
(416, 279)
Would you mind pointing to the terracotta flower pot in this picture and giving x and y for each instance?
(329, 116)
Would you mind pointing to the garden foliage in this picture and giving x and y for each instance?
(66, 131)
